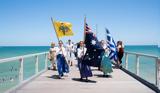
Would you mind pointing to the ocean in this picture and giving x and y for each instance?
(146, 64)
(9, 71)
(12, 51)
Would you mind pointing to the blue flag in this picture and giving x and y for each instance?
(94, 51)
(112, 47)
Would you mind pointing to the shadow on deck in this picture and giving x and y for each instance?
(118, 82)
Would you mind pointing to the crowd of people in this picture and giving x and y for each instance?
(63, 56)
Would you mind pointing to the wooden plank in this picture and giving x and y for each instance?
(120, 82)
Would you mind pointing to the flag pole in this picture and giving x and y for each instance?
(84, 28)
(56, 33)
(84, 33)
(58, 39)
(96, 30)
(55, 29)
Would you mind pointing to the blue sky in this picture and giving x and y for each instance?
(27, 22)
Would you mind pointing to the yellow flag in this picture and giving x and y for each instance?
(63, 28)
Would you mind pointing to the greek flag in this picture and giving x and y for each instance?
(111, 46)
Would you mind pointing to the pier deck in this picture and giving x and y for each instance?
(120, 82)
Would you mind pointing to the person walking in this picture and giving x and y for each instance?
(84, 69)
(70, 50)
(61, 60)
(52, 56)
(106, 64)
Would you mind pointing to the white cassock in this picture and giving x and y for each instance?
(70, 50)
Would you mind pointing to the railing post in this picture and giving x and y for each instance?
(36, 64)
(46, 60)
(157, 72)
(126, 60)
(137, 65)
(21, 70)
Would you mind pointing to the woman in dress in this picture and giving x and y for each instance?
(84, 69)
(120, 49)
(106, 64)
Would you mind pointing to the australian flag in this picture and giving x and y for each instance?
(87, 28)
(111, 46)
(93, 55)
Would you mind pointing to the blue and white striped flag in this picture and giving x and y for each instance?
(112, 47)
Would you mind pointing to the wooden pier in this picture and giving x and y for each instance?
(119, 82)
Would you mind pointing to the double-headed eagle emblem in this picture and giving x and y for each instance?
(63, 28)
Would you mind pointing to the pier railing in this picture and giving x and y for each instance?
(145, 66)
(16, 71)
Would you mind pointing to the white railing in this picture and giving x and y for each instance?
(138, 55)
(21, 68)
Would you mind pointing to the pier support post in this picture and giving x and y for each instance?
(157, 72)
(36, 64)
(126, 60)
(21, 70)
(137, 65)
(46, 61)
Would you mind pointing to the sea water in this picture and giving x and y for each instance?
(147, 65)
(12, 51)
(9, 71)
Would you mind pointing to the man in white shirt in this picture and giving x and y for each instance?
(70, 50)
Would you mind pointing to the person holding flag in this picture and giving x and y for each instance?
(110, 54)
(94, 51)
(62, 29)
(93, 54)
(61, 60)
(84, 69)
(106, 64)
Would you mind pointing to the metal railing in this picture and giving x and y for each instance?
(21, 60)
(137, 66)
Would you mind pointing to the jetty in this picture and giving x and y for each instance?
(46, 81)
